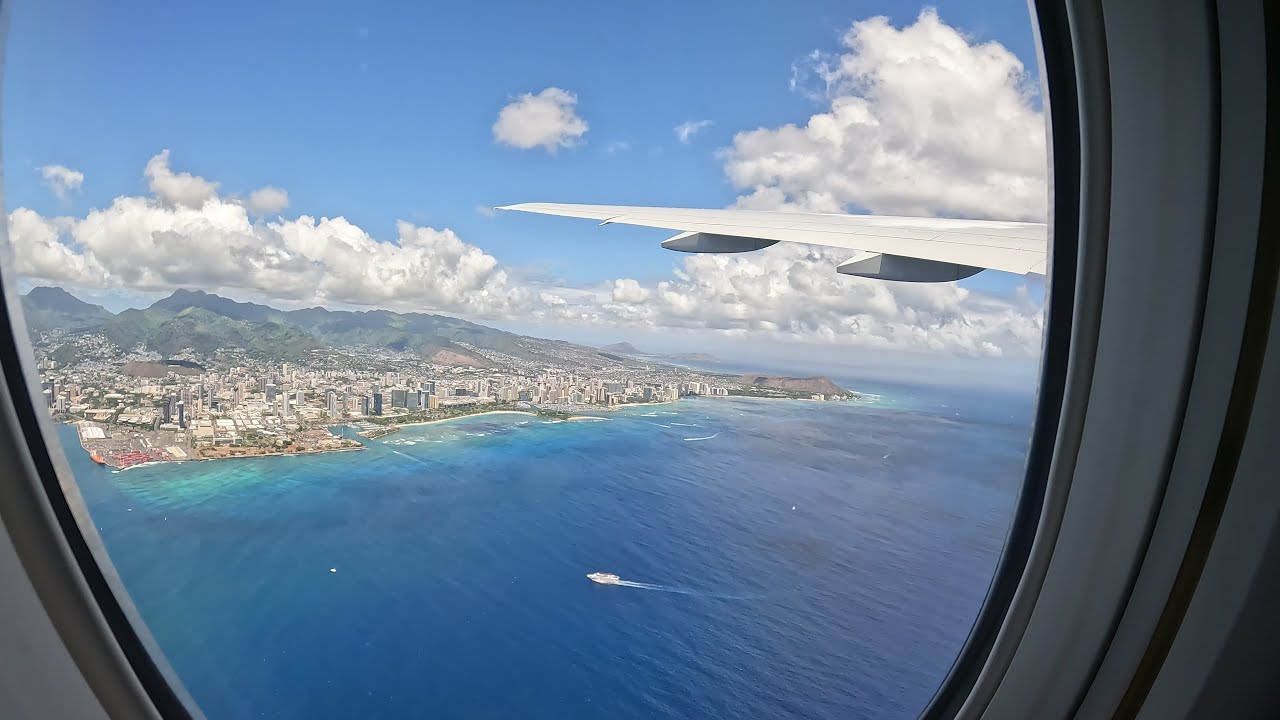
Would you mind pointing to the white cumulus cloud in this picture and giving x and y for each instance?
(548, 120)
(186, 235)
(921, 121)
(686, 130)
(177, 188)
(791, 291)
(626, 290)
(36, 251)
(61, 179)
(267, 201)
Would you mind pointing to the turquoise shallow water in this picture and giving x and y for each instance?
(804, 560)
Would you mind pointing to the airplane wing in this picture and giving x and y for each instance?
(888, 248)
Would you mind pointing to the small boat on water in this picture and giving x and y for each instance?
(94, 456)
(604, 578)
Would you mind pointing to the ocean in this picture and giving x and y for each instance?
(792, 559)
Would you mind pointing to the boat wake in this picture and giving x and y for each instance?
(641, 586)
(410, 457)
(677, 590)
(709, 437)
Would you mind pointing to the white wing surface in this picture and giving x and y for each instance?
(890, 248)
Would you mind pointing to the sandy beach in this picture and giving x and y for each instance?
(460, 417)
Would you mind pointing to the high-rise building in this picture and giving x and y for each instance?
(398, 397)
(166, 410)
(377, 403)
(271, 392)
(365, 403)
(433, 401)
(331, 401)
(411, 400)
(182, 414)
(300, 397)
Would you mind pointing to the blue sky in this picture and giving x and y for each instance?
(380, 114)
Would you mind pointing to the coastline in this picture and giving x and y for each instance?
(392, 427)
(463, 417)
(857, 396)
(238, 457)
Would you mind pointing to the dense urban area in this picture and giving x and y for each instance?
(186, 387)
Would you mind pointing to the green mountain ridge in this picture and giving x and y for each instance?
(206, 323)
(206, 332)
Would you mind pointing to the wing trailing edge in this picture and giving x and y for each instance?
(889, 247)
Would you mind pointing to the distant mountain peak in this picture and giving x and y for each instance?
(182, 298)
(47, 291)
(818, 384)
(51, 297)
(55, 298)
(47, 308)
(625, 348)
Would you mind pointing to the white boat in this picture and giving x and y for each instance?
(604, 578)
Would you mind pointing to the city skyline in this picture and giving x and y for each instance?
(136, 405)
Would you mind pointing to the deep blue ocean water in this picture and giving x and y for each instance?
(813, 560)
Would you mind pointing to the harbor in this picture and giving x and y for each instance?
(122, 447)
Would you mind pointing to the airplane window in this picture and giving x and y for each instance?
(374, 419)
